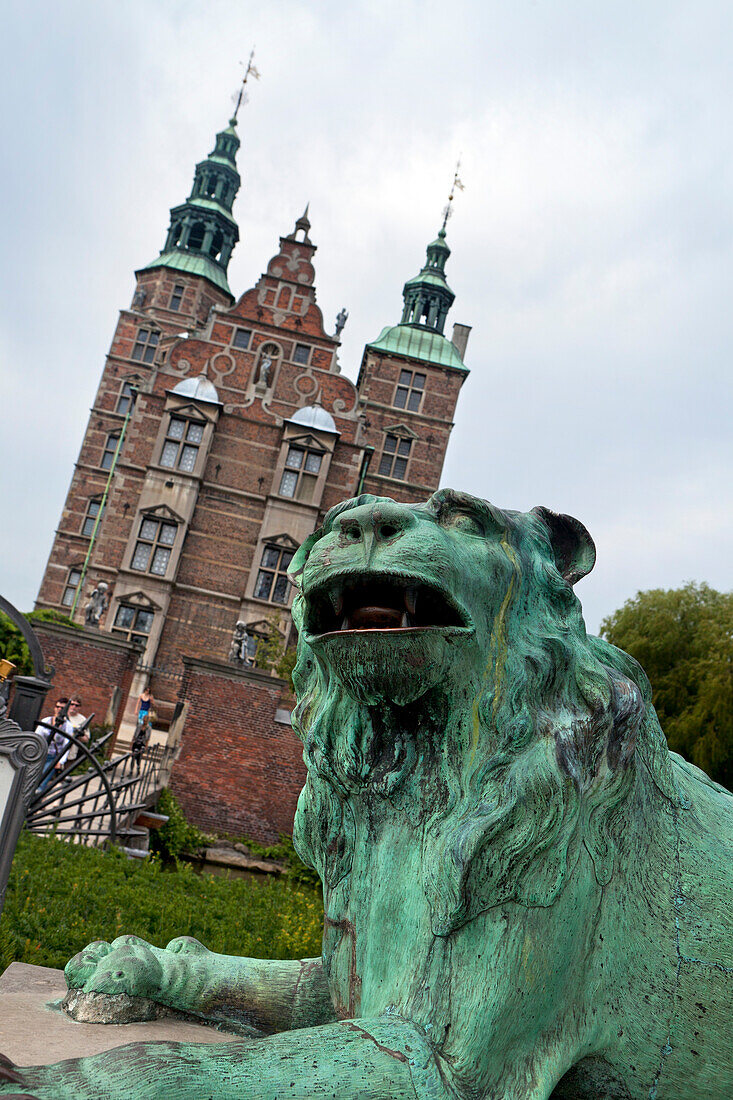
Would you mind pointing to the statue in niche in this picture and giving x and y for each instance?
(527, 895)
(96, 605)
(265, 367)
(238, 652)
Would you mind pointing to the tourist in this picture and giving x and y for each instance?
(53, 729)
(78, 721)
(141, 738)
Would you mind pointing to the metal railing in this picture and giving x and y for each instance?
(92, 801)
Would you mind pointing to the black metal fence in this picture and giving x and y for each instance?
(92, 800)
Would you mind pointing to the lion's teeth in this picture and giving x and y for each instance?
(344, 623)
(337, 601)
(411, 599)
(405, 621)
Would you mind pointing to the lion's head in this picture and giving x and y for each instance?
(444, 664)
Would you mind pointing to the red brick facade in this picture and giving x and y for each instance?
(90, 663)
(240, 768)
(243, 433)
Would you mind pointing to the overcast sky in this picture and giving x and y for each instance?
(592, 249)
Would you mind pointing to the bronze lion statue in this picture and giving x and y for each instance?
(526, 895)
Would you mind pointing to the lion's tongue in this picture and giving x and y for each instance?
(373, 618)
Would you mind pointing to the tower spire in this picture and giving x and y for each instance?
(202, 232)
(449, 205)
(250, 71)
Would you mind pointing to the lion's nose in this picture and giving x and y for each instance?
(383, 521)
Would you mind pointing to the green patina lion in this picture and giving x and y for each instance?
(526, 895)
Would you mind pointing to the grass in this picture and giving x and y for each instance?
(61, 897)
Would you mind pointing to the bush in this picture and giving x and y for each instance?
(177, 836)
(61, 896)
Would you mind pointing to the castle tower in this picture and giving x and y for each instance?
(409, 383)
(221, 433)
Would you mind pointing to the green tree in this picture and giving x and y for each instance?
(683, 639)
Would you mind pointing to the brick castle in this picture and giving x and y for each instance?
(221, 432)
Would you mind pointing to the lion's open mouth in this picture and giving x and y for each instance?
(380, 603)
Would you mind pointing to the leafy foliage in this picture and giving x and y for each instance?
(273, 655)
(61, 897)
(683, 638)
(178, 835)
(12, 643)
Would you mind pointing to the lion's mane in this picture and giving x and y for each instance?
(544, 757)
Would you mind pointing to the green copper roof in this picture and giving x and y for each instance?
(417, 342)
(195, 264)
(210, 204)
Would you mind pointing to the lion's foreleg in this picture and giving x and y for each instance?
(266, 994)
(382, 1059)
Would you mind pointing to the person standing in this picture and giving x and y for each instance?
(58, 744)
(144, 706)
(77, 720)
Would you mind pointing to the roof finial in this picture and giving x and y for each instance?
(457, 184)
(242, 95)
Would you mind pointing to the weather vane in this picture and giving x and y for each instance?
(456, 185)
(250, 71)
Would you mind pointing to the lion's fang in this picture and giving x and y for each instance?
(337, 601)
(411, 599)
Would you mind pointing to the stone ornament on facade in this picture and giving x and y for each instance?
(96, 605)
(238, 653)
(527, 895)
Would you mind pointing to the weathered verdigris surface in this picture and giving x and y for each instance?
(526, 895)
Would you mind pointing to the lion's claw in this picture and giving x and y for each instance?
(127, 965)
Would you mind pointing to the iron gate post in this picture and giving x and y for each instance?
(28, 698)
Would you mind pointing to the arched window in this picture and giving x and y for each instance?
(196, 235)
(217, 242)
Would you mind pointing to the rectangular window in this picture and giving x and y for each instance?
(302, 353)
(90, 518)
(181, 446)
(176, 297)
(241, 339)
(109, 451)
(410, 389)
(300, 473)
(272, 580)
(145, 344)
(125, 399)
(152, 550)
(394, 457)
(72, 583)
(133, 622)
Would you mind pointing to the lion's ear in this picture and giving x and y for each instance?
(574, 549)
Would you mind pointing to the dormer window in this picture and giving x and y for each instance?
(176, 297)
(395, 455)
(181, 446)
(153, 547)
(301, 471)
(272, 579)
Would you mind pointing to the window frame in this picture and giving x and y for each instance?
(156, 545)
(129, 384)
(90, 516)
(179, 289)
(181, 443)
(235, 336)
(108, 452)
(277, 572)
(394, 456)
(408, 387)
(132, 632)
(308, 348)
(71, 587)
(147, 346)
(302, 474)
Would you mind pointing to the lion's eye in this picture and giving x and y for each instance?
(466, 524)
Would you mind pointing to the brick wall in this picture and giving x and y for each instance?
(239, 770)
(95, 665)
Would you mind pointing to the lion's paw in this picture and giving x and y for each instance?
(127, 965)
